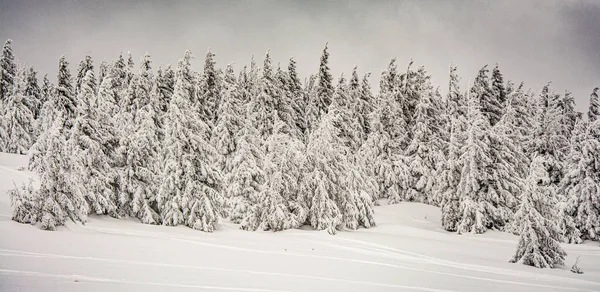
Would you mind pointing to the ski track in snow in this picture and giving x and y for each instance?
(431, 260)
(394, 252)
(83, 278)
(16, 253)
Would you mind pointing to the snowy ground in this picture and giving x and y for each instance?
(407, 251)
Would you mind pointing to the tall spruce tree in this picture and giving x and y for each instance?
(189, 193)
(322, 96)
(65, 101)
(539, 241)
(594, 109)
(55, 201)
(209, 92)
(473, 188)
(491, 106)
(246, 179)
(581, 184)
(91, 159)
(18, 120)
(8, 68)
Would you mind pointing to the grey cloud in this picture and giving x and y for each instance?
(534, 41)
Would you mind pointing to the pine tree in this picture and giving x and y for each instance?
(569, 114)
(18, 120)
(87, 142)
(278, 207)
(456, 103)
(246, 179)
(322, 96)
(229, 122)
(539, 241)
(66, 102)
(139, 149)
(189, 192)
(33, 93)
(264, 104)
(336, 195)
(594, 110)
(54, 202)
(144, 161)
(475, 161)
(284, 105)
(48, 113)
(209, 93)
(8, 68)
(104, 70)
(166, 84)
(425, 148)
(581, 184)
(84, 66)
(298, 97)
(572, 183)
(498, 90)
(490, 104)
(449, 178)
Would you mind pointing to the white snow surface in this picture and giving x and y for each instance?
(407, 251)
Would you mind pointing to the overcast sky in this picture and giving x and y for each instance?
(533, 41)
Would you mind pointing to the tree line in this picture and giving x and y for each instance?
(268, 151)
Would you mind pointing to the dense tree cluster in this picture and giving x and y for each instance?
(262, 149)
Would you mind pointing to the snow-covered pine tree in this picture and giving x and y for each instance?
(594, 109)
(65, 100)
(456, 103)
(8, 70)
(284, 105)
(48, 113)
(230, 121)
(509, 167)
(547, 137)
(475, 160)
(336, 195)
(298, 97)
(103, 71)
(33, 93)
(490, 104)
(140, 149)
(91, 161)
(539, 241)
(246, 179)
(569, 114)
(425, 150)
(264, 104)
(144, 159)
(572, 184)
(17, 119)
(129, 70)
(322, 95)
(209, 93)
(189, 192)
(166, 83)
(54, 202)
(366, 104)
(278, 206)
(497, 88)
(381, 156)
(449, 176)
(349, 126)
(84, 66)
(581, 184)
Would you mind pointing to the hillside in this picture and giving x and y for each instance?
(407, 251)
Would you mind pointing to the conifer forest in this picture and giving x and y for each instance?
(265, 148)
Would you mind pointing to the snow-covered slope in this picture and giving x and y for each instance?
(407, 251)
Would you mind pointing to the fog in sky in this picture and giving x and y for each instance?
(533, 41)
